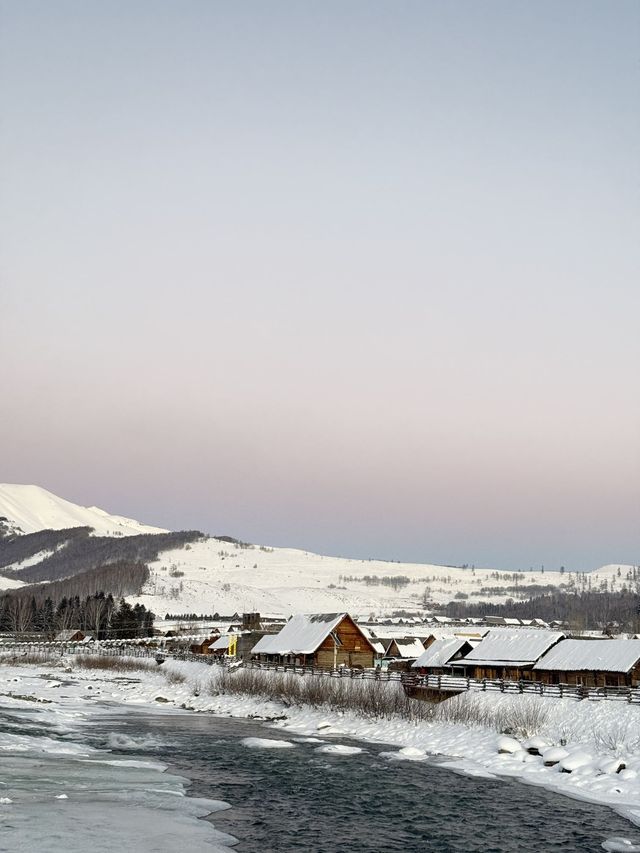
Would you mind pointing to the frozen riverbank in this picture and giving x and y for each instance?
(58, 794)
(593, 733)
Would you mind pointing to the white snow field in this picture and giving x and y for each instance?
(211, 575)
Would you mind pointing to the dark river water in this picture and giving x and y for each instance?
(298, 799)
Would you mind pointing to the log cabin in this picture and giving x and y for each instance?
(507, 654)
(592, 663)
(325, 640)
(439, 656)
(203, 647)
(404, 648)
(71, 635)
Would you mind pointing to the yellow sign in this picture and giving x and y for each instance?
(233, 646)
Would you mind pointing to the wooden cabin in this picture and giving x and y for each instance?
(204, 647)
(325, 640)
(404, 648)
(438, 658)
(508, 654)
(71, 635)
(220, 646)
(592, 663)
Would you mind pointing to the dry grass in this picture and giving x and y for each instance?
(521, 716)
(384, 700)
(173, 676)
(23, 658)
(115, 664)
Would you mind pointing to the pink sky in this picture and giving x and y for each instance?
(359, 279)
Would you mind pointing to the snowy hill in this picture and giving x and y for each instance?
(209, 575)
(31, 508)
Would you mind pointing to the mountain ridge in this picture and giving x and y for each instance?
(207, 574)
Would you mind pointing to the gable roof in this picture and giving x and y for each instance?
(592, 655)
(441, 652)
(520, 648)
(376, 644)
(408, 647)
(222, 643)
(67, 634)
(302, 634)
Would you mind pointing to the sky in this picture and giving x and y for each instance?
(361, 278)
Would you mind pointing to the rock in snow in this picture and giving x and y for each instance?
(508, 745)
(554, 755)
(574, 761)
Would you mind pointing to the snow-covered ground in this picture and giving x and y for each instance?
(591, 739)
(212, 576)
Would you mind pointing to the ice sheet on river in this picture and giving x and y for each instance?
(66, 796)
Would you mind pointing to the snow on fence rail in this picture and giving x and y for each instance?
(458, 684)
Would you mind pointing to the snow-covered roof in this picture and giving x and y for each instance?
(409, 647)
(593, 655)
(378, 645)
(512, 647)
(302, 634)
(221, 644)
(67, 634)
(440, 652)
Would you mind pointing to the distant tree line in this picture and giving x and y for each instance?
(120, 579)
(190, 617)
(582, 610)
(396, 582)
(98, 615)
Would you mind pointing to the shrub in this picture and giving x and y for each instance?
(117, 664)
(21, 658)
(372, 698)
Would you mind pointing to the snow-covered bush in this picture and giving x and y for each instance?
(523, 716)
(620, 737)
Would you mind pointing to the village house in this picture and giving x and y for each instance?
(71, 635)
(400, 652)
(592, 663)
(507, 654)
(379, 646)
(220, 646)
(404, 648)
(326, 640)
(438, 657)
(203, 647)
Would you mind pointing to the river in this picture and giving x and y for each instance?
(300, 799)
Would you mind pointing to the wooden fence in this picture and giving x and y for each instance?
(459, 684)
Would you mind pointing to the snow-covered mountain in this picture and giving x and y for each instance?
(211, 575)
(31, 508)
